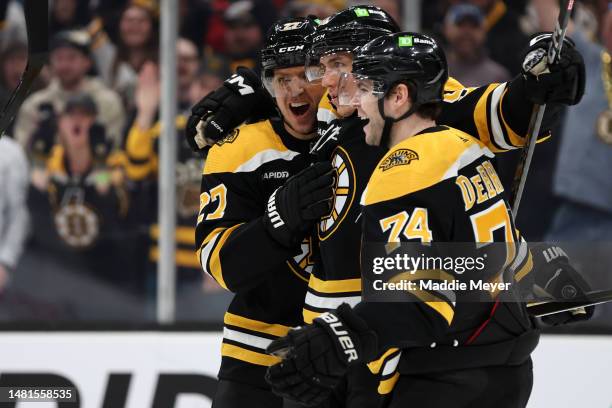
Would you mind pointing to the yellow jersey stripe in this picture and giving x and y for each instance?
(335, 286)
(309, 315)
(183, 257)
(214, 262)
(184, 235)
(515, 139)
(254, 145)
(525, 269)
(376, 365)
(480, 119)
(386, 386)
(239, 353)
(444, 309)
(255, 325)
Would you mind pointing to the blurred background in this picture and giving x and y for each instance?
(80, 169)
(79, 214)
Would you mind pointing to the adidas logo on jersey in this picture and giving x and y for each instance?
(346, 342)
(275, 175)
(273, 215)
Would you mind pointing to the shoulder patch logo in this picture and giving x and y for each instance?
(399, 158)
(229, 138)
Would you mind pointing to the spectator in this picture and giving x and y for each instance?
(243, 34)
(78, 202)
(13, 210)
(12, 23)
(70, 62)
(467, 57)
(581, 178)
(142, 153)
(505, 39)
(211, 74)
(67, 15)
(12, 63)
(138, 43)
(194, 17)
(304, 8)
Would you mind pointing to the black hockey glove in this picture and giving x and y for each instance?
(562, 82)
(316, 357)
(240, 98)
(555, 275)
(294, 207)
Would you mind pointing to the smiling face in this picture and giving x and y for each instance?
(331, 66)
(135, 27)
(368, 109)
(297, 100)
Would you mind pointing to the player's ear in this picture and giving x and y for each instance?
(400, 97)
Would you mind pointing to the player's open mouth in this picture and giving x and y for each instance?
(299, 108)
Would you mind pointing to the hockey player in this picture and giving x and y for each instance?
(258, 201)
(497, 113)
(446, 351)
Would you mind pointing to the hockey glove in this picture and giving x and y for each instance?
(562, 82)
(316, 357)
(294, 207)
(555, 275)
(240, 98)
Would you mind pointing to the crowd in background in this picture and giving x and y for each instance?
(78, 202)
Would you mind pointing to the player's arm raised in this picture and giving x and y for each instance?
(241, 98)
(499, 114)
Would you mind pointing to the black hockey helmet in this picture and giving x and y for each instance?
(287, 43)
(345, 31)
(412, 58)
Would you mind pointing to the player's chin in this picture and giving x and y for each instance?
(303, 122)
(371, 136)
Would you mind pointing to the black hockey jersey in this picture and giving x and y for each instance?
(494, 113)
(269, 280)
(443, 189)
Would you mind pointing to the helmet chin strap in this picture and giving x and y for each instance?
(389, 122)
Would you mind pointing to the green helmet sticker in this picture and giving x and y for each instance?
(361, 12)
(405, 41)
(317, 21)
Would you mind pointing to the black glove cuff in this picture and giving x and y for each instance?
(354, 340)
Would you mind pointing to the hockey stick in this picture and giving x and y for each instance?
(36, 18)
(520, 176)
(539, 309)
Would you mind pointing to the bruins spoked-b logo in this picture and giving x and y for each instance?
(399, 157)
(343, 195)
(77, 224)
(302, 263)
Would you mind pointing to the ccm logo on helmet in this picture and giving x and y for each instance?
(343, 337)
(292, 48)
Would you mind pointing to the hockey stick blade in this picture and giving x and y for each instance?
(540, 309)
(36, 17)
(522, 169)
